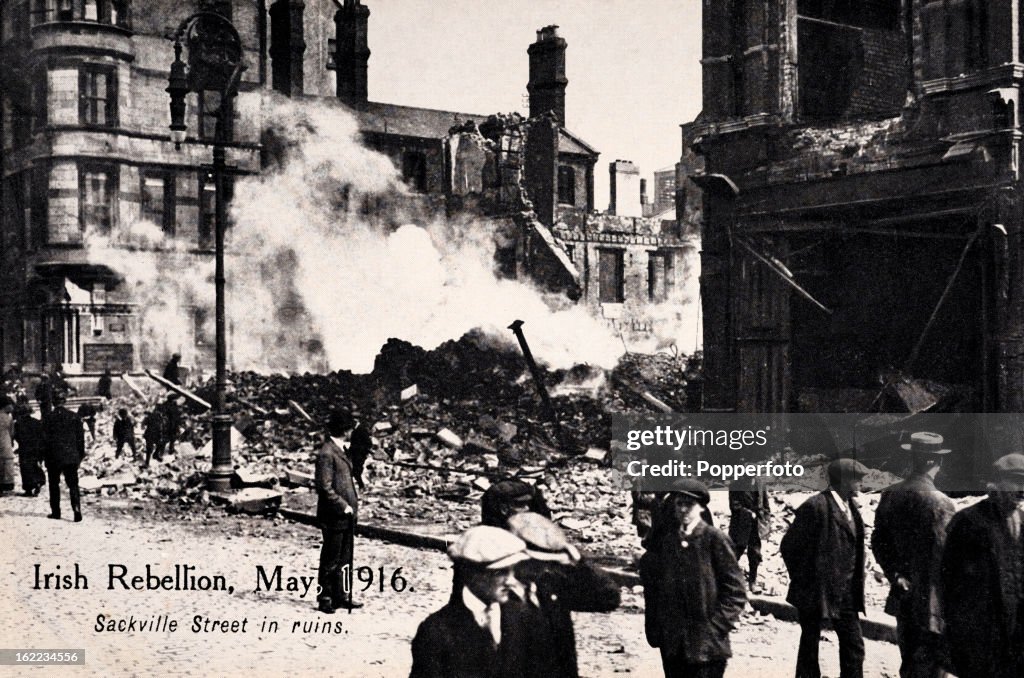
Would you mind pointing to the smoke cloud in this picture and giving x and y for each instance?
(330, 255)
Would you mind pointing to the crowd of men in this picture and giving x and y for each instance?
(55, 438)
(957, 579)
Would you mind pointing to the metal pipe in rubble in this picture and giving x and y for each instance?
(549, 409)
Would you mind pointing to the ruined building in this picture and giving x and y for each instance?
(862, 205)
(86, 152)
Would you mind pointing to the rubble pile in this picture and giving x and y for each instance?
(447, 423)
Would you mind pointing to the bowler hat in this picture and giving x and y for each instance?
(846, 468)
(692, 487)
(1011, 465)
(489, 547)
(925, 442)
(544, 540)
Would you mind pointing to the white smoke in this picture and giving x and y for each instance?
(364, 278)
(329, 257)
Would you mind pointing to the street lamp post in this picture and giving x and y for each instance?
(214, 64)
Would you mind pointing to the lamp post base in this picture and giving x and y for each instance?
(219, 478)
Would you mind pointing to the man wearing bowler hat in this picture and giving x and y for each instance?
(909, 535)
(693, 589)
(983, 579)
(824, 554)
(337, 511)
(483, 631)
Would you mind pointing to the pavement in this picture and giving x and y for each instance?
(372, 641)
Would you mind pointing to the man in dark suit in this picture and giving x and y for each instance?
(824, 554)
(693, 588)
(983, 579)
(64, 448)
(484, 630)
(910, 531)
(337, 511)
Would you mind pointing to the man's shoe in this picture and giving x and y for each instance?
(78, 516)
(54, 516)
(326, 606)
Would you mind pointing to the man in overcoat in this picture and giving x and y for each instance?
(485, 630)
(750, 521)
(910, 531)
(63, 451)
(824, 554)
(693, 589)
(983, 579)
(28, 433)
(336, 511)
(557, 581)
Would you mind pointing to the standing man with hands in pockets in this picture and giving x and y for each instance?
(336, 511)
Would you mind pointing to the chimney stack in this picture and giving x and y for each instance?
(624, 184)
(547, 74)
(353, 52)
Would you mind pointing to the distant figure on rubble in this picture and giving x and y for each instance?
(337, 511)
(750, 522)
(105, 384)
(63, 450)
(6, 445)
(154, 432)
(28, 433)
(124, 432)
(506, 498)
(558, 580)
(359, 448)
(172, 422)
(87, 412)
(44, 395)
(172, 372)
(693, 589)
(908, 539)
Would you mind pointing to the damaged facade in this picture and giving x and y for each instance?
(862, 206)
(86, 153)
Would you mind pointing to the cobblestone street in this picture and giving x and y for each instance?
(374, 641)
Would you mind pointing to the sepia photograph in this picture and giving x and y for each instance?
(531, 339)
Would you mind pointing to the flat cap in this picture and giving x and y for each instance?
(925, 442)
(846, 468)
(507, 490)
(1009, 465)
(490, 547)
(544, 540)
(691, 487)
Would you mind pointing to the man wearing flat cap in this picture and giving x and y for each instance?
(983, 579)
(824, 554)
(909, 535)
(483, 631)
(558, 580)
(506, 498)
(336, 511)
(693, 589)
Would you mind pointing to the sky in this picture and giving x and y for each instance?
(633, 66)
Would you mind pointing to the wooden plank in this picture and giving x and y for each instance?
(179, 390)
(301, 412)
(131, 384)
